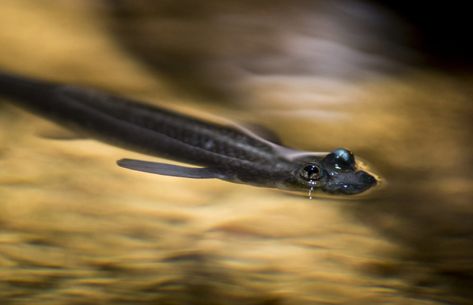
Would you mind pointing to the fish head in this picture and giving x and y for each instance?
(335, 173)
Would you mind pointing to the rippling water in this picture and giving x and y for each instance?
(76, 229)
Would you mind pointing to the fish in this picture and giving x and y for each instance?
(213, 151)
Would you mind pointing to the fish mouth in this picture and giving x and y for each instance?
(360, 182)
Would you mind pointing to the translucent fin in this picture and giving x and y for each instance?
(169, 169)
(60, 135)
(262, 132)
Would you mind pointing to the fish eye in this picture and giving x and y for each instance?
(343, 159)
(311, 172)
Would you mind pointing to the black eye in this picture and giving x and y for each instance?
(343, 159)
(310, 172)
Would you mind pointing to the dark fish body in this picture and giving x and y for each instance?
(224, 152)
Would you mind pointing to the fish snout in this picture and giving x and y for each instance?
(366, 179)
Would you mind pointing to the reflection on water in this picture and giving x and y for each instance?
(76, 229)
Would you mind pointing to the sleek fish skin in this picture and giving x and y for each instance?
(224, 152)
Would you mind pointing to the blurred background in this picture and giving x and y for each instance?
(390, 80)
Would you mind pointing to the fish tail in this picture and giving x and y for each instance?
(24, 90)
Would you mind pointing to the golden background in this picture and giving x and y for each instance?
(77, 229)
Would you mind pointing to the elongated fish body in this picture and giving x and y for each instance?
(225, 152)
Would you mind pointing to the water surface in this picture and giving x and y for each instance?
(77, 229)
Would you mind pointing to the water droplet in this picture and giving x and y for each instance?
(311, 188)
